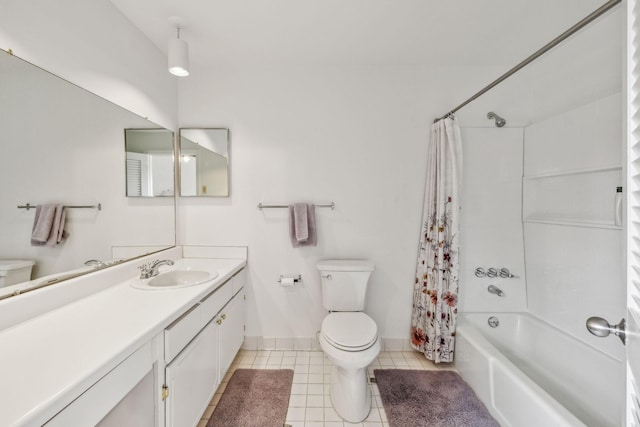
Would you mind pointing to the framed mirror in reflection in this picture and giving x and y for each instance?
(149, 162)
(204, 162)
(64, 145)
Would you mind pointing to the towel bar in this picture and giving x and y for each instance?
(261, 206)
(98, 206)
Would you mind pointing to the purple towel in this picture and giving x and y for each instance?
(302, 225)
(48, 225)
(300, 222)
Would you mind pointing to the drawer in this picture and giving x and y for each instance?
(214, 302)
(239, 280)
(179, 333)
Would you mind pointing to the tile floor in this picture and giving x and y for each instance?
(309, 403)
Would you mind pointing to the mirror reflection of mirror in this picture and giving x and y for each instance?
(149, 162)
(64, 145)
(204, 162)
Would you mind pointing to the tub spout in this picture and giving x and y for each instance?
(493, 289)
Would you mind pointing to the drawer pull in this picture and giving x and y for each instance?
(224, 316)
(219, 321)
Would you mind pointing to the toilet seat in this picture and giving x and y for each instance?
(349, 331)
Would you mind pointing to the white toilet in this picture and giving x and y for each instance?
(14, 271)
(348, 337)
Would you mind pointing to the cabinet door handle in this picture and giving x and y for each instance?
(219, 321)
(224, 316)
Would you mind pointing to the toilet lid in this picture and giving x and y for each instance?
(350, 331)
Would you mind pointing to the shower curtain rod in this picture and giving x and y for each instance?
(553, 43)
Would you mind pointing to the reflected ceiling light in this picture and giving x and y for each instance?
(178, 56)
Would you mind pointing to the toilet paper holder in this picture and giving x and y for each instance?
(296, 279)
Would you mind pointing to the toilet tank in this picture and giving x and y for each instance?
(344, 283)
(14, 271)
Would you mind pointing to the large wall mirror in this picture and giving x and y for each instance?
(64, 145)
(204, 162)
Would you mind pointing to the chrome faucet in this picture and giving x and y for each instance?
(151, 269)
(493, 289)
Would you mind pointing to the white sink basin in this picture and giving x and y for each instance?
(175, 279)
(180, 278)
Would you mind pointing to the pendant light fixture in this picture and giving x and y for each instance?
(178, 56)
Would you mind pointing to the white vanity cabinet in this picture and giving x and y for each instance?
(120, 356)
(199, 348)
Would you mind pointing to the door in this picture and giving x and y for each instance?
(633, 213)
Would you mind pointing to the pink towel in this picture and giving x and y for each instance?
(48, 225)
(302, 225)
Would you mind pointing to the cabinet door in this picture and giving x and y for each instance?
(231, 320)
(192, 379)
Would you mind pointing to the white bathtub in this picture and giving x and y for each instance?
(529, 373)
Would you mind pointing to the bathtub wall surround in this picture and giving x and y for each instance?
(573, 245)
(491, 221)
(565, 224)
(574, 249)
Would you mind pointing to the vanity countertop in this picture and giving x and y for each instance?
(49, 360)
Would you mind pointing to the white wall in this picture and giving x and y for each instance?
(349, 135)
(355, 136)
(93, 45)
(575, 256)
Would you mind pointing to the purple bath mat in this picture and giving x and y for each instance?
(254, 398)
(430, 399)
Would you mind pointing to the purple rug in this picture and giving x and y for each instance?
(254, 398)
(430, 399)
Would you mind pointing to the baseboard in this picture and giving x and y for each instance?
(312, 344)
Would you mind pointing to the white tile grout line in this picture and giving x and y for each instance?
(309, 402)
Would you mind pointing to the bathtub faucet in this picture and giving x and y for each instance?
(493, 289)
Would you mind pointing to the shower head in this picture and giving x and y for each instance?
(499, 120)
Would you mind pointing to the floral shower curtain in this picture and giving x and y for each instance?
(435, 291)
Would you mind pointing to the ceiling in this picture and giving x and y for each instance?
(357, 32)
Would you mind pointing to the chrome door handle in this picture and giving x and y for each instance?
(601, 328)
